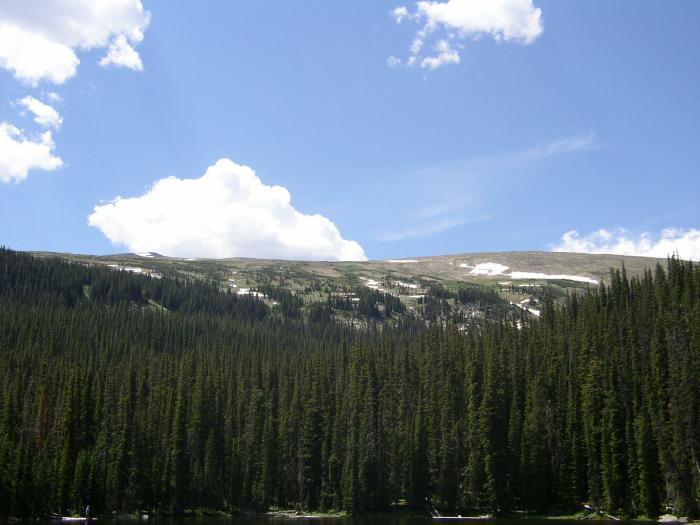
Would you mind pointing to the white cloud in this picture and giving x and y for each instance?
(417, 45)
(557, 147)
(393, 61)
(228, 212)
(39, 40)
(19, 154)
(504, 20)
(120, 53)
(399, 14)
(44, 115)
(445, 55)
(517, 20)
(685, 243)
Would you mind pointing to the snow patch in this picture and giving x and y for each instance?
(134, 269)
(489, 269)
(406, 285)
(558, 277)
(521, 305)
(371, 283)
(145, 254)
(248, 291)
(493, 269)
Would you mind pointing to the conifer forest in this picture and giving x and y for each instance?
(128, 393)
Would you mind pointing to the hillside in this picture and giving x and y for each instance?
(130, 393)
(462, 287)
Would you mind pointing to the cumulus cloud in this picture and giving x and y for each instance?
(19, 154)
(227, 212)
(503, 20)
(684, 243)
(120, 53)
(39, 40)
(44, 115)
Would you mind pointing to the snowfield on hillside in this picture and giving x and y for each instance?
(493, 269)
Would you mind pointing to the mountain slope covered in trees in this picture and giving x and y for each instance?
(126, 392)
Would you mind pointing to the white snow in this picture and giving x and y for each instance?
(145, 254)
(489, 269)
(559, 277)
(406, 285)
(134, 269)
(127, 268)
(521, 304)
(248, 291)
(371, 283)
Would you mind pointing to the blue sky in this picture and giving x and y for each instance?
(592, 125)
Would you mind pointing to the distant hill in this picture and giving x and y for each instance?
(465, 286)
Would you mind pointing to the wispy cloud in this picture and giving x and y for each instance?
(560, 147)
(425, 230)
(478, 181)
(554, 148)
(436, 210)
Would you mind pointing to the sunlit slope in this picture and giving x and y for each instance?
(577, 269)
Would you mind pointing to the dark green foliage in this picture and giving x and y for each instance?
(368, 303)
(125, 393)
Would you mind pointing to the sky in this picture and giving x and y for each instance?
(343, 131)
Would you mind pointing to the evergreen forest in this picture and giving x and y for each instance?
(130, 393)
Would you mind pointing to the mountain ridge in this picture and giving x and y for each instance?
(467, 286)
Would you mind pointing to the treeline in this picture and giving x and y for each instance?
(123, 406)
(51, 282)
